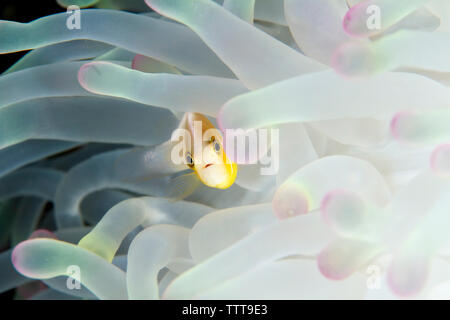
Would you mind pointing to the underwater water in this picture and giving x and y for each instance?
(225, 149)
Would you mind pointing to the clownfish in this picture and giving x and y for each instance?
(209, 161)
(196, 157)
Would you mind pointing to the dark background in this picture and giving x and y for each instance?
(15, 10)
(24, 11)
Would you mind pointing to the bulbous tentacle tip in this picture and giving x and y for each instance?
(343, 211)
(407, 275)
(354, 59)
(83, 75)
(399, 124)
(440, 160)
(346, 21)
(89, 74)
(43, 233)
(351, 17)
(289, 202)
(31, 257)
(328, 269)
(343, 257)
(18, 256)
(135, 61)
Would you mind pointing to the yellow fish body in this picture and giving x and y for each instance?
(205, 154)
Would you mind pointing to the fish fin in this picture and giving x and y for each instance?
(183, 186)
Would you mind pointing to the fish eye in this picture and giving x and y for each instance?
(216, 147)
(189, 160)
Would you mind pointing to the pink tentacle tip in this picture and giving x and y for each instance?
(327, 198)
(409, 282)
(396, 123)
(327, 269)
(16, 256)
(134, 64)
(352, 15)
(43, 233)
(346, 21)
(82, 74)
(440, 160)
(339, 61)
(87, 69)
(324, 206)
(327, 201)
(289, 203)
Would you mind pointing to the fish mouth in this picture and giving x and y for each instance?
(208, 165)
